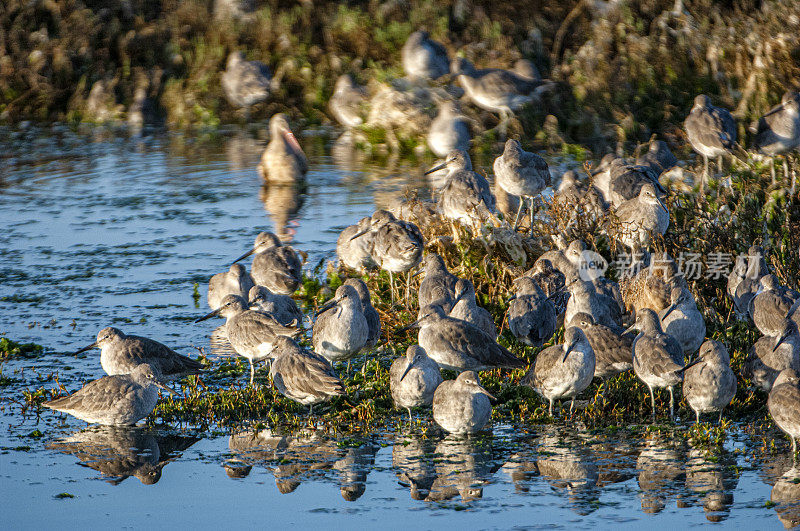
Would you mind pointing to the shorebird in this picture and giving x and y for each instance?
(122, 354)
(771, 305)
(458, 345)
(552, 283)
(423, 58)
(439, 285)
(641, 218)
(467, 196)
(784, 404)
(584, 198)
(302, 375)
(283, 161)
(772, 354)
(235, 281)
(613, 352)
(370, 313)
(449, 130)
(462, 406)
(341, 330)
(467, 309)
(413, 378)
(119, 400)
(563, 371)
(683, 321)
(657, 357)
(275, 265)
(346, 102)
(584, 298)
(710, 385)
(711, 131)
(245, 83)
(649, 281)
(531, 315)
(281, 307)
(778, 131)
(522, 174)
(498, 90)
(626, 181)
(251, 333)
(745, 279)
(354, 246)
(658, 157)
(601, 175)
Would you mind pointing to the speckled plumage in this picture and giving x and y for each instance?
(466, 197)
(641, 218)
(784, 404)
(302, 375)
(282, 307)
(531, 315)
(521, 173)
(462, 406)
(275, 265)
(613, 352)
(710, 385)
(771, 305)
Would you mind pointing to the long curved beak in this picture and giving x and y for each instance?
(410, 366)
(668, 311)
(436, 168)
(84, 349)
(208, 316)
(245, 255)
(359, 234)
(487, 393)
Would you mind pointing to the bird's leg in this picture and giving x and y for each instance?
(310, 410)
(652, 401)
(786, 168)
(704, 177)
(571, 406)
(719, 421)
(408, 286)
(503, 127)
(551, 407)
(530, 229)
(671, 404)
(697, 415)
(252, 373)
(719, 164)
(410, 419)
(519, 211)
(772, 170)
(794, 448)
(391, 285)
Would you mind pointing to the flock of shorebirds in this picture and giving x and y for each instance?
(263, 321)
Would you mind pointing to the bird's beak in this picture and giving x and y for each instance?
(436, 168)
(780, 341)
(418, 273)
(631, 328)
(84, 349)
(569, 349)
(408, 326)
(165, 388)
(691, 363)
(325, 307)
(668, 311)
(245, 255)
(513, 297)
(410, 366)
(208, 316)
(487, 393)
(292, 141)
(358, 234)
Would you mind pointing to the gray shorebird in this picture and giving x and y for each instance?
(552, 283)
(657, 357)
(341, 330)
(439, 285)
(784, 404)
(459, 345)
(498, 90)
(772, 354)
(119, 400)
(122, 354)
(346, 103)
(466, 309)
(466, 197)
(251, 333)
(771, 304)
(449, 130)
(531, 315)
(601, 175)
(563, 371)
(283, 161)
(711, 132)
(281, 307)
(613, 352)
(354, 246)
(370, 313)
(245, 83)
(462, 406)
(683, 321)
(413, 378)
(710, 385)
(302, 375)
(235, 281)
(423, 58)
(778, 131)
(745, 279)
(275, 265)
(522, 174)
(626, 181)
(641, 218)
(658, 157)
(585, 298)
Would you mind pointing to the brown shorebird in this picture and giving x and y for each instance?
(683, 321)
(281, 307)
(658, 157)
(771, 305)
(772, 354)
(711, 132)
(466, 309)
(341, 330)
(778, 131)
(354, 246)
(641, 218)
(245, 83)
(449, 130)
(439, 285)
(346, 103)
(370, 313)
(531, 315)
(613, 352)
(745, 279)
(466, 197)
(784, 404)
(283, 161)
(275, 265)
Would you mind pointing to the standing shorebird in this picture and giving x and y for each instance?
(235, 281)
(683, 321)
(302, 375)
(341, 329)
(251, 333)
(283, 161)
(245, 83)
(641, 218)
(613, 352)
(531, 315)
(522, 174)
(784, 404)
(439, 285)
(466, 309)
(459, 345)
(354, 246)
(346, 102)
(449, 130)
(462, 406)
(772, 354)
(122, 354)
(498, 90)
(745, 279)
(657, 357)
(370, 313)
(771, 305)
(778, 132)
(710, 385)
(711, 132)
(563, 371)
(281, 307)
(423, 58)
(466, 197)
(413, 379)
(118, 400)
(275, 265)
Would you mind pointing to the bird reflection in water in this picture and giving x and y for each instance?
(661, 470)
(786, 495)
(282, 202)
(712, 477)
(463, 467)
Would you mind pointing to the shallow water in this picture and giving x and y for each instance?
(105, 230)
